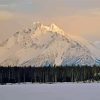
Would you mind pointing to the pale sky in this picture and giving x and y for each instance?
(76, 17)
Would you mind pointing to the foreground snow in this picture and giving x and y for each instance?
(59, 91)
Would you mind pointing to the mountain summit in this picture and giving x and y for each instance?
(52, 28)
(44, 45)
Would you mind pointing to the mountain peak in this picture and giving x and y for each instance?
(37, 25)
(39, 46)
(53, 28)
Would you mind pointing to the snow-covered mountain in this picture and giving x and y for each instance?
(97, 43)
(43, 45)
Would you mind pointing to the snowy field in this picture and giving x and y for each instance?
(59, 91)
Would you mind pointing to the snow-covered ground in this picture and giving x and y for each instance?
(59, 91)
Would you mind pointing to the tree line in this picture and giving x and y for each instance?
(49, 74)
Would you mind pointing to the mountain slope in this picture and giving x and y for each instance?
(47, 45)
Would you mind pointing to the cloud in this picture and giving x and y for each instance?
(95, 11)
(5, 15)
(48, 6)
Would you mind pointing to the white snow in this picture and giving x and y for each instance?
(95, 51)
(47, 45)
(58, 91)
(97, 43)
